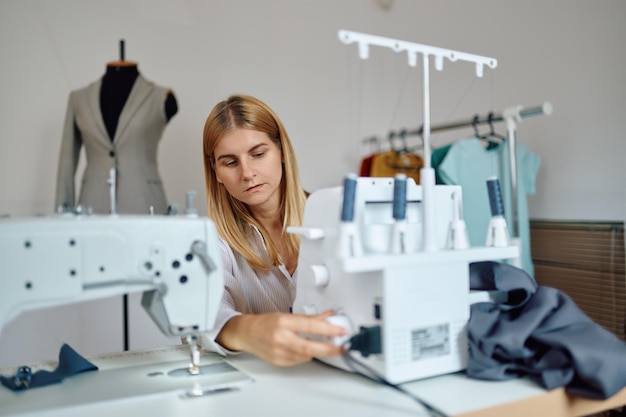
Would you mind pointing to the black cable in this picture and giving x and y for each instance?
(372, 375)
(125, 324)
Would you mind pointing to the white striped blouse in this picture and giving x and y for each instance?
(247, 291)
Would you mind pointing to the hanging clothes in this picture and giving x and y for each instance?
(437, 157)
(469, 163)
(366, 165)
(390, 163)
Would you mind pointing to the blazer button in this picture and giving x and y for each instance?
(112, 154)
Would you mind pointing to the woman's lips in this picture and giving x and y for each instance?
(254, 188)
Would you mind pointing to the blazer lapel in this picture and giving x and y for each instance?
(137, 96)
(93, 104)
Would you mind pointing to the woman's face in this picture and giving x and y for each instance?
(249, 165)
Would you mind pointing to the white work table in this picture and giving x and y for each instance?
(122, 387)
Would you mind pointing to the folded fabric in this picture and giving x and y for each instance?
(70, 363)
(540, 333)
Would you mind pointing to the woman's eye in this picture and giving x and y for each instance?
(258, 154)
(230, 163)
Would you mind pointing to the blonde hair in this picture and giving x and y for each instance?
(232, 217)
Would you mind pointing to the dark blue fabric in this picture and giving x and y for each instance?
(540, 333)
(70, 363)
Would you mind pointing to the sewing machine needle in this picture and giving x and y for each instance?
(194, 366)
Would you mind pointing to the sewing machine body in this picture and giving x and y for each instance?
(420, 299)
(67, 258)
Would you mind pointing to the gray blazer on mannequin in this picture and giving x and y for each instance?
(132, 152)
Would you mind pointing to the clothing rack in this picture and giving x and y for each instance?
(439, 55)
(511, 116)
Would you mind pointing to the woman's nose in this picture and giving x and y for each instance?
(247, 170)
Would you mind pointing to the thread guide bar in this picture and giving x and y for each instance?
(364, 40)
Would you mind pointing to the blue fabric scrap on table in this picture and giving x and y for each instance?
(70, 363)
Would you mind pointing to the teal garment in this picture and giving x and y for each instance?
(437, 157)
(468, 164)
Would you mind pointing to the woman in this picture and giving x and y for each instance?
(254, 193)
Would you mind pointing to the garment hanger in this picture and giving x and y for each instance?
(475, 121)
(492, 138)
(402, 135)
(401, 158)
(405, 147)
(391, 136)
(492, 133)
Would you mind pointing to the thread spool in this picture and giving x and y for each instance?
(497, 232)
(399, 240)
(349, 194)
(495, 196)
(349, 241)
(399, 197)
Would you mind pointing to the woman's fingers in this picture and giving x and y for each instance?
(317, 325)
(288, 339)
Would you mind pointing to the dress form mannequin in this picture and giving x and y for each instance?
(119, 119)
(117, 82)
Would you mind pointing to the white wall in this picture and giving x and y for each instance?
(286, 52)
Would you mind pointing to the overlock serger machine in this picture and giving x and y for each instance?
(391, 258)
(66, 258)
(363, 254)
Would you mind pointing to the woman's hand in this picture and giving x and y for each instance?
(281, 338)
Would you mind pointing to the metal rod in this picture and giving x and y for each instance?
(545, 108)
(511, 129)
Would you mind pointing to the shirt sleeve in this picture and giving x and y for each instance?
(69, 154)
(248, 291)
(227, 309)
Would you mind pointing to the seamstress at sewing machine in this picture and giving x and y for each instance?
(254, 193)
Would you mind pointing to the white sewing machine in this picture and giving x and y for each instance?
(66, 258)
(362, 255)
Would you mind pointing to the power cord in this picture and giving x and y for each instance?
(368, 341)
